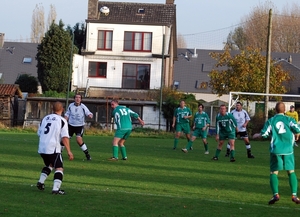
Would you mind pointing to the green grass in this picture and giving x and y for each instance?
(155, 181)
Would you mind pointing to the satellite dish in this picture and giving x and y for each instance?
(104, 10)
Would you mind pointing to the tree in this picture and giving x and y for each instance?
(27, 83)
(51, 16)
(79, 35)
(171, 99)
(253, 31)
(245, 72)
(53, 58)
(181, 41)
(37, 24)
(236, 39)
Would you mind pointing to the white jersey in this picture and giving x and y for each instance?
(241, 117)
(52, 128)
(76, 114)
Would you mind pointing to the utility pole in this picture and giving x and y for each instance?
(161, 81)
(70, 71)
(268, 62)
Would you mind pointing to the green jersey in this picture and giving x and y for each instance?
(225, 124)
(201, 120)
(179, 113)
(122, 116)
(281, 128)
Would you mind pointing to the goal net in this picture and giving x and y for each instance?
(254, 102)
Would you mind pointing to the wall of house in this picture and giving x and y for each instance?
(151, 118)
(118, 38)
(117, 57)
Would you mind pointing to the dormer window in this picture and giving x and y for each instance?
(141, 11)
(27, 60)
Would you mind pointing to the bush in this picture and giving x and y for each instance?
(256, 123)
(27, 83)
(258, 120)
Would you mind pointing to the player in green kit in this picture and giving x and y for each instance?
(122, 116)
(181, 117)
(226, 127)
(281, 129)
(200, 127)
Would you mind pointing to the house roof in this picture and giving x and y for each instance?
(17, 58)
(193, 66)
(10, 90)
(133, 13)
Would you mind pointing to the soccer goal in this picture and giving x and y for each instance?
(254, 105)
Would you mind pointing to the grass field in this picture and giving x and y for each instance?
(155, 181)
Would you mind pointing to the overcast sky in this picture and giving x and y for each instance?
(213, 19)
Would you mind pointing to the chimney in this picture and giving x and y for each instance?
(290, 59)
(1, 39)
(170, 2)
(195, 55)
(92, 9)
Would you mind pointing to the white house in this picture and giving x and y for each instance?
(129, 51)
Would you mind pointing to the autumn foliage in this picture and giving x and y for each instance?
(245, 72)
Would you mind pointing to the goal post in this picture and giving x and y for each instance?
(288, 99)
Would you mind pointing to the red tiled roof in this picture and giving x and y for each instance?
(10, 90)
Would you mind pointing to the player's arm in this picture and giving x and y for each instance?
(256, 136)
(174, 120)
(88, 113)
(189, 115)
(141, 121)
(66, 142)
(246, 123)
(217, 130)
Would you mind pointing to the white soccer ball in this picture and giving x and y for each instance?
(104, 10)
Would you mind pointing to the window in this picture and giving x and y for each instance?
(27, 60)
(97, 69)
(104, 40)
(136, 76)
(137, 41)
(201, 85)
(176, 84)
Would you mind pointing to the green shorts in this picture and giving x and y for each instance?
(123, 134)
(282, 162)
(224, 136)
(183, 128)
(198, 132)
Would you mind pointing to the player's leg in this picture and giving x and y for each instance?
(187, 130)
(178, 130)
(115, 145)
(276, 164)
(58, 174)
(245, 137)
(232, 149)
(228, 146)
(205, 143)
(289, 165)
(219, 148)
(80, 142)
(45, 172)
(189, 144)
(122, 146)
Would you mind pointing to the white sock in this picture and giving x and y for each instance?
(43, 177)
(83, 147)
(57, 182)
